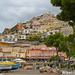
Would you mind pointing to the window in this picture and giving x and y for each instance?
(6, 37)
(3, 55)
(33, 54)
(17, 50)
(39, 54)
(50, 48)
(51, 32)
(68, 32)
(8, 54)
(43, 48)
(19, 36)
(13, 50)
(45, 54)
(51, 53)
(10, 36)
(4, 50)
(22, 36)
(54, 53)
(63, 32)
(21, 54)
(21, 50)
(59, 53)
(63, 54)
(9, 50)
(13, 55)
(54, 48)
(55, 31)
(16, 55)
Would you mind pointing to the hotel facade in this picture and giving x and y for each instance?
(42, 53)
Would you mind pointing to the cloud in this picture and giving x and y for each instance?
(15, 11)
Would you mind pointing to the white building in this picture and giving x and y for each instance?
(21, 36)
(52, 32)
(27, 31)
(9, 38)
(13, 38)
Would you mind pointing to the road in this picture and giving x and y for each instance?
(31, 72)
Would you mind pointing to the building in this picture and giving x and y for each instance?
(10, 53)
(52, 32)
(6, 31)
(11, 50)
(42, 53)
(9, 37)
(66, 30)
(14, 37)
(27, 31)
(21, 37)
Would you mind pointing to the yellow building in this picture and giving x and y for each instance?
(52, 25)
(9, 53)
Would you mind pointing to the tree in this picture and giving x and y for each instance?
(68, 11)
(56, 40)
(52, 58)
(35, 38)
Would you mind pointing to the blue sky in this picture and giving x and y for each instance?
(16, 11)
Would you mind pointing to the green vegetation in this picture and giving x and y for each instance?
(35, 38)
(52, 58)
(68, 10)
(55, 40)
(65, 44)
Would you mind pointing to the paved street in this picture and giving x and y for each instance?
(32, 72)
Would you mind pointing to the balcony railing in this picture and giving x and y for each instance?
(44, 49)
(11, 57)
(35, 49)
(2, 56)
(21, 52)
(42, 56)
(6, 52)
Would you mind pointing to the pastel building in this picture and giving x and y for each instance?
(66, 31)
(42, 53)
(10, 53)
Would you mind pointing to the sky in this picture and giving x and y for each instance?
(20, 11)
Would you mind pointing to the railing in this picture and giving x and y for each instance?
(44, 49)
(6, 52)
(2, 56)
(21, 52)
(41, 56)
(11, 57)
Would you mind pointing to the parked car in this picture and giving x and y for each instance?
(45, 69)
(29, 67)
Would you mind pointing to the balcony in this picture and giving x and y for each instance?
(6, 52)
(11, 57)
(42, 56)
(21, 52)
(2, 56)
